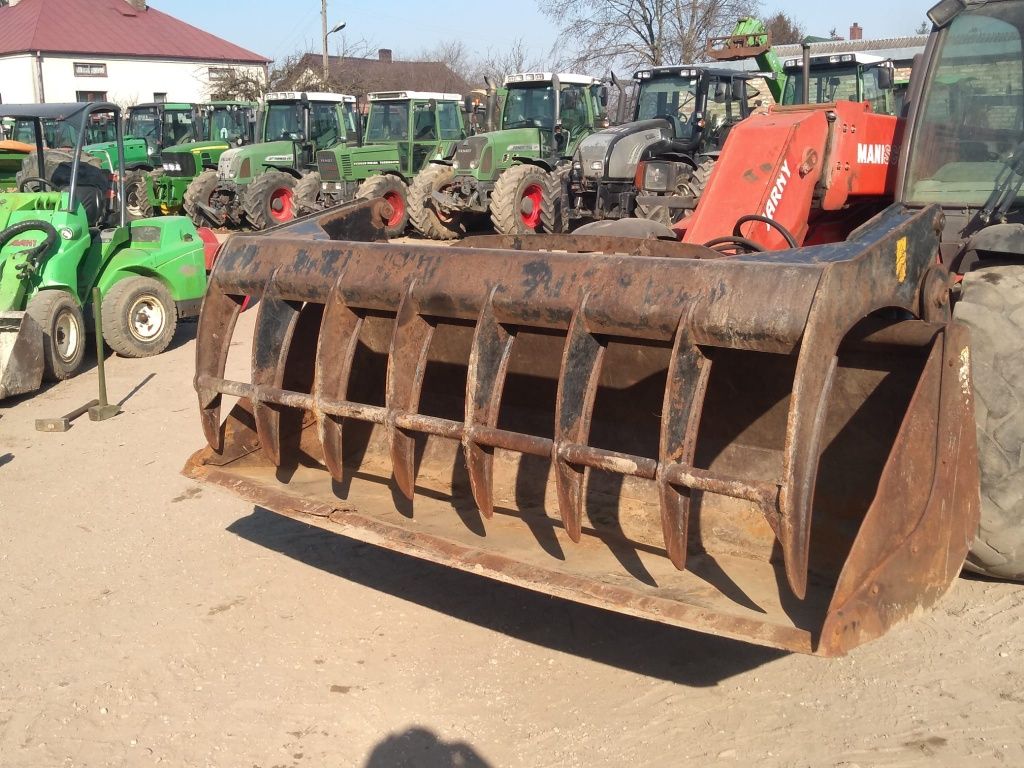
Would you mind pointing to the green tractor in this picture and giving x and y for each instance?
(514, 173)
(255, 185)
(404, 129)
(223, 125)
(65, 233)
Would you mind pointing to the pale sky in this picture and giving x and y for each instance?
(276, 29)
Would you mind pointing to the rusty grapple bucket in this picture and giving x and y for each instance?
(21, 354)
(776, 447)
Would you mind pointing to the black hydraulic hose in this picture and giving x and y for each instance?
(36, 253)
(790, 240)
(743, 242)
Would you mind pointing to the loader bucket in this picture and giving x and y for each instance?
(21, 354)
(736, 47)
(777, 447)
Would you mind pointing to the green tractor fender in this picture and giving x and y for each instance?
(543, 164)
(167, 249)
(283, 169)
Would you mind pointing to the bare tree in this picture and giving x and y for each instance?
(634, 33)
(453, 53)
(784, 29)
(498, 63)
(923, 28)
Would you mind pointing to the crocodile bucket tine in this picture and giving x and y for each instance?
(485, 377)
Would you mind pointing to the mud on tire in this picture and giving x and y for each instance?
(136, 196)
(424, 216)
(521, 187)
(395, 191)
(270, 199)
(308, 195)
(199, 190)
(992, 306)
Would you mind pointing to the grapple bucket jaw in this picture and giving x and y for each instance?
(776, 447)
(21, 354)
(736, 47)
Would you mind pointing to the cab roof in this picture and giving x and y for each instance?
(401, 95)
(308, 96)
(688, 70)
(545, 77)
(826, 59)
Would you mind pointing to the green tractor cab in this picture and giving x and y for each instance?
(404, 129)
(223, 125)
(515, 173)
(846, 77)
(255, 184)
(65, 232)
(681, 118)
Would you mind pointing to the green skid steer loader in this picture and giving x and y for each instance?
(404, 129)
(513, 174)
(72, 234)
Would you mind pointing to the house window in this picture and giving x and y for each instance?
(90, 95)
(216, 74)
(160, 98)
(86, 69)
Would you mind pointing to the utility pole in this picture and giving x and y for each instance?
(323, 22)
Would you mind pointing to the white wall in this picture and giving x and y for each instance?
(128, 81)
(16, 80)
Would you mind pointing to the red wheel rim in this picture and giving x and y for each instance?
(397, 203)
(281, 208)
(534, 194)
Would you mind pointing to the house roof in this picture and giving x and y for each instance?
(361, 76)
(112, 28)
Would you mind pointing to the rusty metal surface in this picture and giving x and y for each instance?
(678, 404)
(735, 47)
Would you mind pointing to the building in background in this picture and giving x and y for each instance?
(113, 50)
(357, 76)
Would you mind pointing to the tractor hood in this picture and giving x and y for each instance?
(486, 155)
(243, 162)
(136, 152)
(614, 152)
(353, 163)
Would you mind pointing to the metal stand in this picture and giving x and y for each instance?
(102, 410)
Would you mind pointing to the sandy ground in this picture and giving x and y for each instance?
(146, 619)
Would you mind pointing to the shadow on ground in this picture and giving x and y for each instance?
(636, 645)
(421, 748)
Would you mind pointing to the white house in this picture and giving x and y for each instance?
(113, 50)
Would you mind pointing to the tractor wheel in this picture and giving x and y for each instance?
(992, 306)
(309, 196)
(58, 314)
(526, 200)
(200, 190)
(56, 164)
(425, 217)
(139, 317)
(395, 191)
(270, 199)
(136, 196)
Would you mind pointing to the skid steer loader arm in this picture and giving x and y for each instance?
(775, 447)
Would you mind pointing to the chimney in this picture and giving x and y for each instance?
(13, 3)
(856, 32)
(384, 54)
(138, 5)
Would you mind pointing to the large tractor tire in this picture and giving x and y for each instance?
(58, 314)
(992, 306)
(309, 196)
(692, 185)
(199, 190)
(425, 217)
(526, 200)
(57, 165)
(270, 199)
(396, 193)
(139, 317)
(136, 196)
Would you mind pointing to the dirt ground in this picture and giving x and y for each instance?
(146, 619)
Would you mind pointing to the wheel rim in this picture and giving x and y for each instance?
(281, 204)
(146, 317)
(67, 335)
(529, 205)
(397, 203)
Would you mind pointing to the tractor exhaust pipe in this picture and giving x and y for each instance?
(805, 95)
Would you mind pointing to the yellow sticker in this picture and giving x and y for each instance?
(901, 259)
